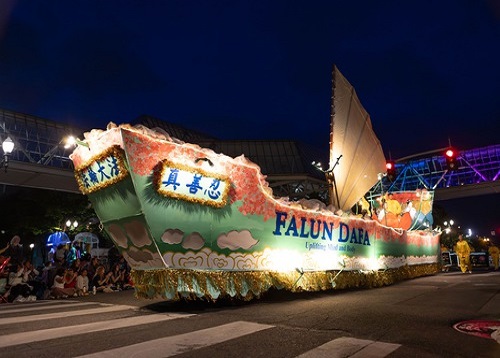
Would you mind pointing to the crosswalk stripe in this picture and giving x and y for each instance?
(23, 319)
(182, 343)
(351, 347)
(31, 304)
(43, 306)
(51, 333)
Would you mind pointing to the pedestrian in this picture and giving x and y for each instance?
(60, 256)
(494, 252)
(15, 251)
(72, 254)
(463, 254)
(445, 258)
(51, 254)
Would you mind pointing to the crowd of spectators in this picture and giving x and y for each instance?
(68, 272)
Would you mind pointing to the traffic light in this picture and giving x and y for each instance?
(390, 167)
(451, 159)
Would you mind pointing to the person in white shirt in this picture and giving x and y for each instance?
(58, 290)
(82, 283)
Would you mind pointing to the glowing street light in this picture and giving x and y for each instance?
(72, 141)
(7, 147)
(318, 166)
(70, 224)
(448, 226)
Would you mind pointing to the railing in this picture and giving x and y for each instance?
(40, 141)
(476, 167)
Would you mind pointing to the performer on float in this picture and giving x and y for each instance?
(494, 252)
(393, 211)
(365, 207)
(407, 216)
(463, 253)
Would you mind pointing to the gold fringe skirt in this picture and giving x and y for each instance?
(176, 284)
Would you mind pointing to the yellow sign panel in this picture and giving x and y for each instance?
(104, 170)
(192, 184)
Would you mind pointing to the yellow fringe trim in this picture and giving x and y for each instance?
(176, 284)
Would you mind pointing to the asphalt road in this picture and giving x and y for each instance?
(414, 318)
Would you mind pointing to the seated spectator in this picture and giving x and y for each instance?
(47, 277)
(32, 277)
(58, 290)
(17, 288)
(117, 278)
(70, 278)
(101, 280)
(82, 283)
(76, 265)
(92, 266)
(124, 266)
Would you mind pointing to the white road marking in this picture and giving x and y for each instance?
(43, 317)
(67, 331)
(43, 306)
(182, 343)
(351, 347)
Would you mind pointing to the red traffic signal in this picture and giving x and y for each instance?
(390, 167)
(451, 159)
(450, 153)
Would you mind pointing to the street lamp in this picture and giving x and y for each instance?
(70, 224)
(448, 225)
(72, 141)
(8, 147)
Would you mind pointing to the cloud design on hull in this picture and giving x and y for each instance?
(143, 258)
(117, 234)
(234, 240)
(137, 233)
(193, 241)
(172, 236)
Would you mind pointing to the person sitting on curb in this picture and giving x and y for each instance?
(101, 280)
(58, 290)
(82, 283)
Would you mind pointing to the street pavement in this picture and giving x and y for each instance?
(414, 318)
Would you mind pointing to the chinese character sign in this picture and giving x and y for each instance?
(192, 184)
(104, 170)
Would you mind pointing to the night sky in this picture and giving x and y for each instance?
(427, 71)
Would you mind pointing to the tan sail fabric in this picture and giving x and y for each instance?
(352, 137)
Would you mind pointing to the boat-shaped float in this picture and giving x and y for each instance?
(193, 223)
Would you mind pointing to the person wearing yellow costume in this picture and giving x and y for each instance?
(365, 206)
(463, 253)
(392, 205)
(494, 252)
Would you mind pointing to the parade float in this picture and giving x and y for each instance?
(197, 224)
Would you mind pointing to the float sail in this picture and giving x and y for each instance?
(356, 154)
